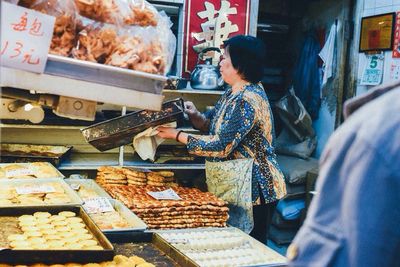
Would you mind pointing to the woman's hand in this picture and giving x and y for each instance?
(196, 118)
(190, 108)
(171, 133)
(167, 132)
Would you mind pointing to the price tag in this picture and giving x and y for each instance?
(97, 205)
(20, 172)
(168, 194)
(34, 189)
(25, 38)
(75, 186)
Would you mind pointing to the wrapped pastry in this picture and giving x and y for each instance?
(141, 14)
(96, 41)
(106, 11)
(65, 25)
(133, 53)
(119, 12)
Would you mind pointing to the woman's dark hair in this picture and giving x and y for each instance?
(247, 54)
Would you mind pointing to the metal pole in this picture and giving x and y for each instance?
(121, 148)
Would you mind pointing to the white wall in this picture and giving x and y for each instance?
(370, 8)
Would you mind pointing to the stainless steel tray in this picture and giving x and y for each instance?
(274, 258)
(29, 153)
(29, 165)
(90, 184)
(128, 215)
(57, 256)
(75, 199)
(105, 74)
(121, 130)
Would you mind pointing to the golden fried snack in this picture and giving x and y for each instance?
(133, 53)
(64, 28)
(101, 10)
(95, 44)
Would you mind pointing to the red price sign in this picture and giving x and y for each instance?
(25, 38)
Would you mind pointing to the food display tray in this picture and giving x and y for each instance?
(90, 184)
(11, 256)
(105, 74)
(129, 216)
(28, 165)
(146, 245)
(30, 153)
(121, 130)
(126, 213)
(75, 199)
(181, 258)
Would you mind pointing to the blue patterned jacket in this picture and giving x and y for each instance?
(241, 126)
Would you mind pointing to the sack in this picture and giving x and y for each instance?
(231, 181)
(295, 116)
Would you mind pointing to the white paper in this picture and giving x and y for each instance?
(75, 186)
(395, 70)
(34, 189)
(20, 172)
(373, 70)
(25, 38)
(97, 205)
(168, 194)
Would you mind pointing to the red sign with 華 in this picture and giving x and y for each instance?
(25, 38)
(209, 23)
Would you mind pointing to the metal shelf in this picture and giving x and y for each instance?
(72, 87)
(32, 126)
(92, 161)
(192, 91)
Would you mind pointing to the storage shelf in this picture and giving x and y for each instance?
(192, 91)
(94, 160)
(32, 126)
(72, 87)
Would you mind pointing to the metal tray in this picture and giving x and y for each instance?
(275, 258)
(10, 256)
(29, 153)
(105, 74)
(121, 130)
(90, 184)
(128, 215)
(29, 165)
(148, 246)
(75, 199)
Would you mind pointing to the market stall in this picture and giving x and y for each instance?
(118, 54)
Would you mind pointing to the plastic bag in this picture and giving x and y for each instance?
(64, 32)
(119, 12)
(147, 49)
(96, 41)
(295, 116)
(141, 13)
(106, 11)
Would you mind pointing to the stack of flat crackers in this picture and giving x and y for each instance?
(134, 177)
(161, 178)
(108, 175)
(196, 209)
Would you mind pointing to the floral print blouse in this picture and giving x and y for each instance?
(241, 126)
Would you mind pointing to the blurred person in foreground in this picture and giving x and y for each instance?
(354, 218)
(240, 127)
